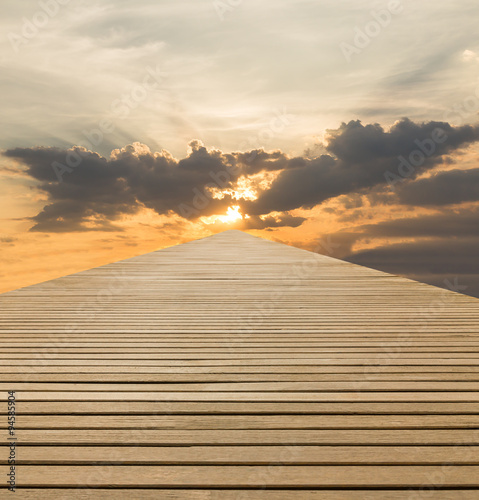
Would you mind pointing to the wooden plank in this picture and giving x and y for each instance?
(238, 387)
(359, 370)
(247, 422)
(86, 348)
(149, 437)
(147, 378)
(250, 455)
(248, 476)
(433, 333)
(305, 363)
(250, 494)
(249, 396)
(271, 358)
(320, 339)
(272, 343)
(232, 408)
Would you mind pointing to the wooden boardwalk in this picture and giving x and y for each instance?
(234, 367)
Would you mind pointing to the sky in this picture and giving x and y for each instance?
(345, 127)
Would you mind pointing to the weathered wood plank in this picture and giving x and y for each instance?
(126, 378)
(104, 377)
(232, 408)
(271, 358)
(150, 437)
(247, 422)
(247, 476)
(250, 494)
(248, 396)
(238, 387)
(359, 370)
(251, 455)
(305, 363)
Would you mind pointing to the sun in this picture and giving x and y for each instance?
(232, 215)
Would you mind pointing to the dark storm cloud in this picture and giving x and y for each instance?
(258, 160)
(445, 263)
(87, 191)
(441, 247)
(94, 191)
(448, 225)
(447, 257)
(461, 223)
(282, 220)
(445, 188)
(363, 157)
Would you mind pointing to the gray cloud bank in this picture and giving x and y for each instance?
(83, 186)
(439, 249)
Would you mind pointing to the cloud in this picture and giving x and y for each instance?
(447, 257)
(360, 157)
(470, 55)
(7, 240)
(439, 247)
(449, 225)
(446, 224)
(93, 191)
(445, 188)
(439, 263)
(280, 220)
(87, 191)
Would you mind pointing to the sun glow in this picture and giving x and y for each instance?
(233, 214)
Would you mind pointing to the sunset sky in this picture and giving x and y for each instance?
(346, 127)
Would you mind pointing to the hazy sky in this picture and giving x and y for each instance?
(335, 92)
